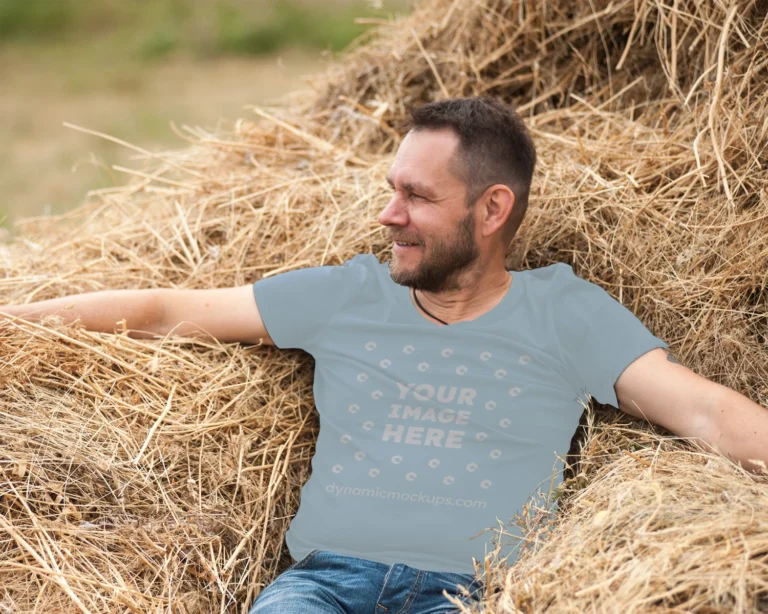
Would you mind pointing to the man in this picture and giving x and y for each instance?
(446, 385)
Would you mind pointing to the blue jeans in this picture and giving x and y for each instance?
(326, 582)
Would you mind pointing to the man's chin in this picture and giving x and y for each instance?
(408, 282)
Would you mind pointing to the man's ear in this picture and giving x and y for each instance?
(500, 202)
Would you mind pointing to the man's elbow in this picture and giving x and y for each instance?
(149, 320)
(738, 430)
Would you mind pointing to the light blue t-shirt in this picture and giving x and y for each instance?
(430, 434)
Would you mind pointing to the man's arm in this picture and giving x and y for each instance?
(739, 429)
(97, 311)
(227, 314)
(660, 389)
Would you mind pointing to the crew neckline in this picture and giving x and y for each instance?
(500, 311)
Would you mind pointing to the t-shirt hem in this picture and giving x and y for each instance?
(390, 559)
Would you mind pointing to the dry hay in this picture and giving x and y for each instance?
(160, 476)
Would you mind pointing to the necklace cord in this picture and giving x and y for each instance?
(422, 308)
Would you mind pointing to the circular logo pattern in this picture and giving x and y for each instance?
(485, 484)
(505, 422)
(373, 472)
(410, 476)
(370, 346)
(345, 439)
(481, 436)
(490, 405)
(471, 466)
(448, 480)
(423, 366)
(461, 370)
(485, 356)
(514, 391)
(368, 425)
(397, 459)
(525, 359)
(338, 468)
(433, 463)
(376, 394)
(386, 363)
(499, 373)
(408, 349)
(353, 408)
(447, 352)
(361, 377)
(359, 455)
(495, 453)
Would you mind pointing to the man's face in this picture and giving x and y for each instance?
(427, 208)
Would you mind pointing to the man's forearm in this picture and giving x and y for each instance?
(97, 311)
(739, 429)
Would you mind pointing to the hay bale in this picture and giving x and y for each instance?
(153, 476)
(646, 526)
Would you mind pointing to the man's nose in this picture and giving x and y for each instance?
(393, 213)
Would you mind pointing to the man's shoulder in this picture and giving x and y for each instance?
(559, 284)
(549, 272)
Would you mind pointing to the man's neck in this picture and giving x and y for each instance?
(456, 309)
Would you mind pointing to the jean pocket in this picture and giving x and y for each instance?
(304, 561)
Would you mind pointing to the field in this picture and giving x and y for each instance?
(129, 69)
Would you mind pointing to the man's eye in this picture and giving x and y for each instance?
(410, 194)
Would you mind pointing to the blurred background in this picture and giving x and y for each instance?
(128, 68)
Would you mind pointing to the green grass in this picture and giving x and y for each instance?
(149, 29)
(34, 19)
(289, 24)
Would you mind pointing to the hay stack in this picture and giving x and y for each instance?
(160, 476)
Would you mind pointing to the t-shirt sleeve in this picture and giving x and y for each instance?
(297, 305)
(598, 337)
